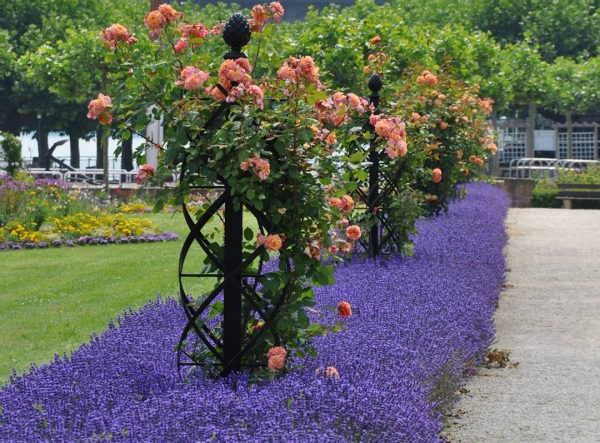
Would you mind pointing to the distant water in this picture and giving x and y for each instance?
(87, 148)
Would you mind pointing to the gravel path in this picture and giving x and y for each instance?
(549, 320)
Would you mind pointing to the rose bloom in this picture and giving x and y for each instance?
(335, 202)
(263, 169)
(294, 69)
(276, 362)
(116, 33)
(99, 107)
(443, 124)
(415, 117)
(436, 175)
(145, 172)
(155, 20)
(346, 203)
(259, 165)
(215, 93)
(277, 351)
(357, 102)
(344, 309)
(257, 93)
(273, 242)
(277, 11)
(197, 30)
(313, 251)
(234, 72)
(191, 78)
(288, 74)
(332, 372)
(260, 239)
(236, 93)
(180, 46)
(169, 13)
(217, 29)
(396, 148)
(492, 148)
(375, 40)
(353, 232)
(259, 17)
(346, 247)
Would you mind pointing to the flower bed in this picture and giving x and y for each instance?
(417, 325)
(89, 240)
(39, 213)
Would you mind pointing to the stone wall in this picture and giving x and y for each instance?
(519, 190)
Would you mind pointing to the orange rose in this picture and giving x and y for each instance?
(276, 362)
(436, 175)
(353, 232)
(273, 242)
(344, 309)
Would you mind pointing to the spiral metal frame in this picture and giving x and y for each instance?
(238, 285)
(382, 238)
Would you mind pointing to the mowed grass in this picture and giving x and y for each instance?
(52, 300)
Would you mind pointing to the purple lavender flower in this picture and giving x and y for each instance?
(417, 323)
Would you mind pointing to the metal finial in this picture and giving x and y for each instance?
(236, 34)
(375, 83)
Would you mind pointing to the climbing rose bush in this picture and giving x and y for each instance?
(275, 142)
(448, 125)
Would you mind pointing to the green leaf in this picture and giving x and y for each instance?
(248, 234)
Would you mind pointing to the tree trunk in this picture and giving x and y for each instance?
(105, 136)
(99, 153)
(42, 140)
(530, 138)
(569, 116)
(127, 154)
(74, 144)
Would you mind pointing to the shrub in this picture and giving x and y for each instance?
(544, 195)
(12, 151)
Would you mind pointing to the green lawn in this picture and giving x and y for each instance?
(52, 300)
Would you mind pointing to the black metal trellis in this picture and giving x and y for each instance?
(223, 341)
(382, 238)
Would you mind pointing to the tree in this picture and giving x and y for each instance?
(567, 28)
(572, 89)
(528, 76)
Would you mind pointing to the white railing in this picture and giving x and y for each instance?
(93, 177)
(545, 167)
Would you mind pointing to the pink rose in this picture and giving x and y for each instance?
(98, 109)
(180, 46)
(144, 173)
(277, 11)
(191, 78)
